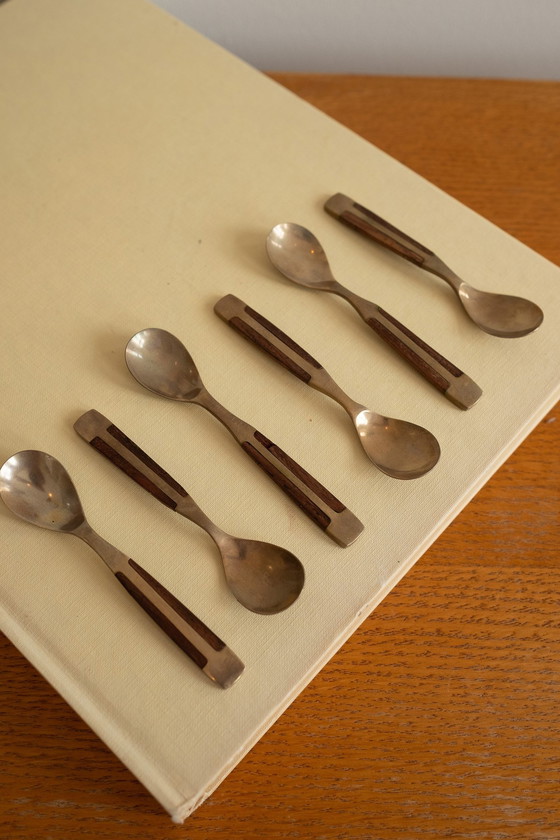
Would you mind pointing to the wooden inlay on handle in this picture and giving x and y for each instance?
(182, 611)
(302, 501)
(252, 335)
(127, 468)
(382, 238)
(453, 370)
(285, 339)
(142, 456)
(162, 621)
(307, 479)
(421, 365)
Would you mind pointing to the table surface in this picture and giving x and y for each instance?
(440, 717)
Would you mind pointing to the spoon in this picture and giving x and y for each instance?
(160, 363)
(505, 316)
(398, 448)
(298, 255)
(263, 577)
(37, 488)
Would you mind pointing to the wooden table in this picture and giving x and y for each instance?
(441, 716)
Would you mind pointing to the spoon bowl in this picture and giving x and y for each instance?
(37, 488)
(504, 316)
(398, 448)
(299, 255)
(162, 364)
(264, 578)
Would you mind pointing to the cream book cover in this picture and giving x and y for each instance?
(142, 168)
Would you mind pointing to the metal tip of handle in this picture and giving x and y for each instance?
(337, 204)
(224, 668)
(463, 392)
(90, 423)
(344, 528)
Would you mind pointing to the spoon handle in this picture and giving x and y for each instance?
(459, 388)
(324, 509)
(107, 439)
(183, 627)
(268, 337)
(189, 632)
(365, 221)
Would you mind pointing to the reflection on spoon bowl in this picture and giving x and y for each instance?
(398, 448)
(265, 578)
(505, 316)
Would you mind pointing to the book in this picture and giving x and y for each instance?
(143, 167)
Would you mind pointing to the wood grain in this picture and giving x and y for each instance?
(396, 338)
(267, 346)
(440, 717)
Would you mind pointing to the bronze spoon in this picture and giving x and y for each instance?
(37, 488)
(398, 448)
(263, 577)
(162, 364)
(299, 256)
(505, 316)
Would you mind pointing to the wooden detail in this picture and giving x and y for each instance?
(127, 468)
(408, 353)
(421, 365)
(182, 611)
(437, 357)
(162, 621)
(366, 221)
(302, 474)
(252, 335)
(298, 496)
(379, 236)
(285, 339)
(142, 456)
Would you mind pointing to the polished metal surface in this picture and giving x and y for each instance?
(162, 364)
(505, 316)
(264, 578)
(398, 448)
(300, 257)
(37, 488)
